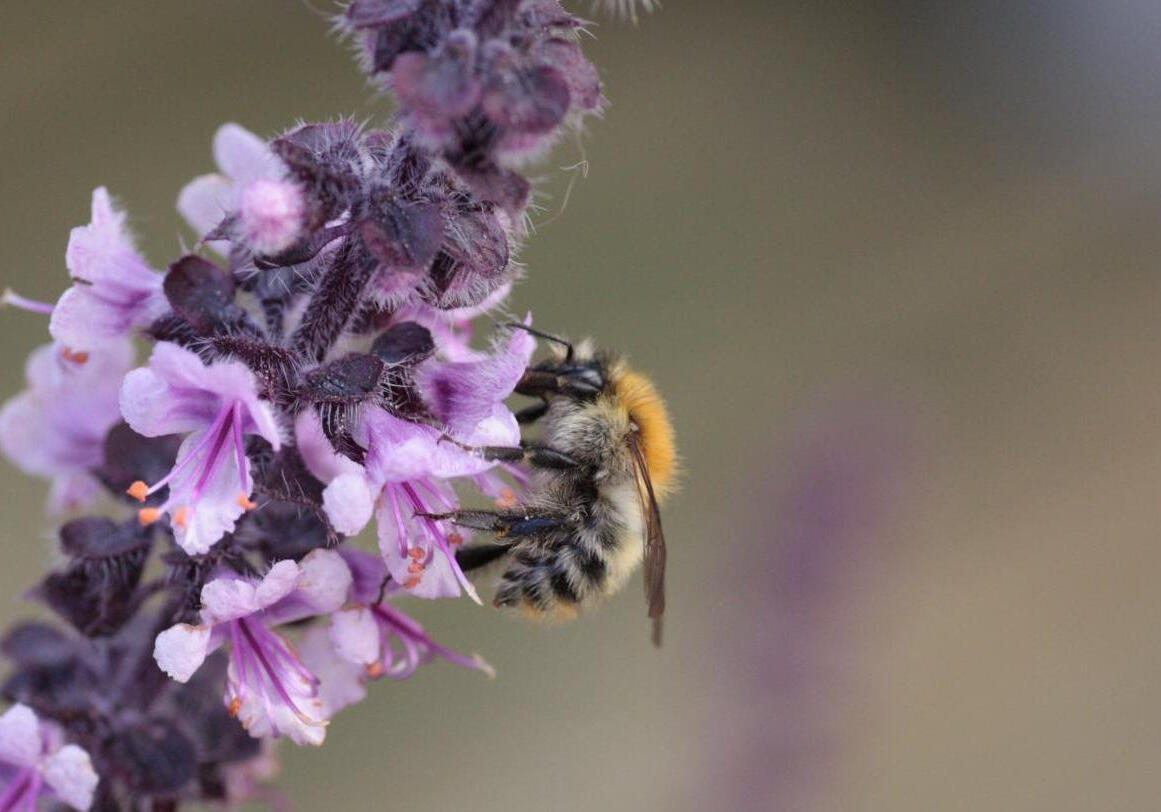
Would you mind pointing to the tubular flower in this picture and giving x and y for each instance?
(35, 764)
(388, 643)
(408, 464)
(267, 687)
(114, 289)
(56, 427)
(216, 406)
(250, 186)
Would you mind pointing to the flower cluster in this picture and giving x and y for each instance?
(312, 372)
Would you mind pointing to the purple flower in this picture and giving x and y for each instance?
(216, 406)
(463, 394)
(35, 764)
(270, 215)
(115, 288)
(56, 427)
(408, 464)
(244, 160)
(340, 682)
(388, 643)
(267, 687)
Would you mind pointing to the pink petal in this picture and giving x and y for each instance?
(150, 407)
(180, 650)
(271, 215)
(355, 636)
(348, 503)
(72, 492)
(69, 773)
(229, 598)
(324, 581)
(280, 581)
(463, 393)
(205, 201)
(242, 156)
(340, 681)
(19, 736)
(103, 251)
(400, 451)
(82, 319)
(317, 452)
(216, 508)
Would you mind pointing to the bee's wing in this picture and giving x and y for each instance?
(654, 541)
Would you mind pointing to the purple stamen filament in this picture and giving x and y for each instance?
(268, 645)
(415, 640)
(441, 540)
(10, 297)
(209, 437)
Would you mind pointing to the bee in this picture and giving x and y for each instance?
(603, 461)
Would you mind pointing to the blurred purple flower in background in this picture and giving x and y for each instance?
(56, 428)
(827, 502)
(34, 763)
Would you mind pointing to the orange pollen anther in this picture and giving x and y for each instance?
(181, 517)
(412, 582)
(75, 357)
(454, 538)
(507, 499)
(415, 568)
(375, 670)
(416, 553)
(148, 516)
(235, 706)
(138, 490)
(245, 502)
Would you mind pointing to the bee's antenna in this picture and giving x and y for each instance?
(546, 336)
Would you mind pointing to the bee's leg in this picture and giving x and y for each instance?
(504, 524)
(479, 555)
(537, 383)
(538, 456)
(532, 413)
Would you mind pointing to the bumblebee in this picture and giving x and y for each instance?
(603, 461)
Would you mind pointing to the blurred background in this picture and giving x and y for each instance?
(894, 265)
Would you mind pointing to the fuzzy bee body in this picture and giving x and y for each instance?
(603, 460)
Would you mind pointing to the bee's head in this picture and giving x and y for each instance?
(575, 371)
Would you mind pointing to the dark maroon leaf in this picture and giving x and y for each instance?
(403, 236)
(404, 343)
(583, 80)
(201, 293)
(477, 243)
(92, 538)
(153, 757)
(439, 87)
(374, 13)
(347, 380)
(414, 32)
(528, 100)
(130, 457)
(37, 644)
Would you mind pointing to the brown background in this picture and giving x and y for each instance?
(895, 266)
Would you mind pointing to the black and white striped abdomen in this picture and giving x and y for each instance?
(556, 575)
